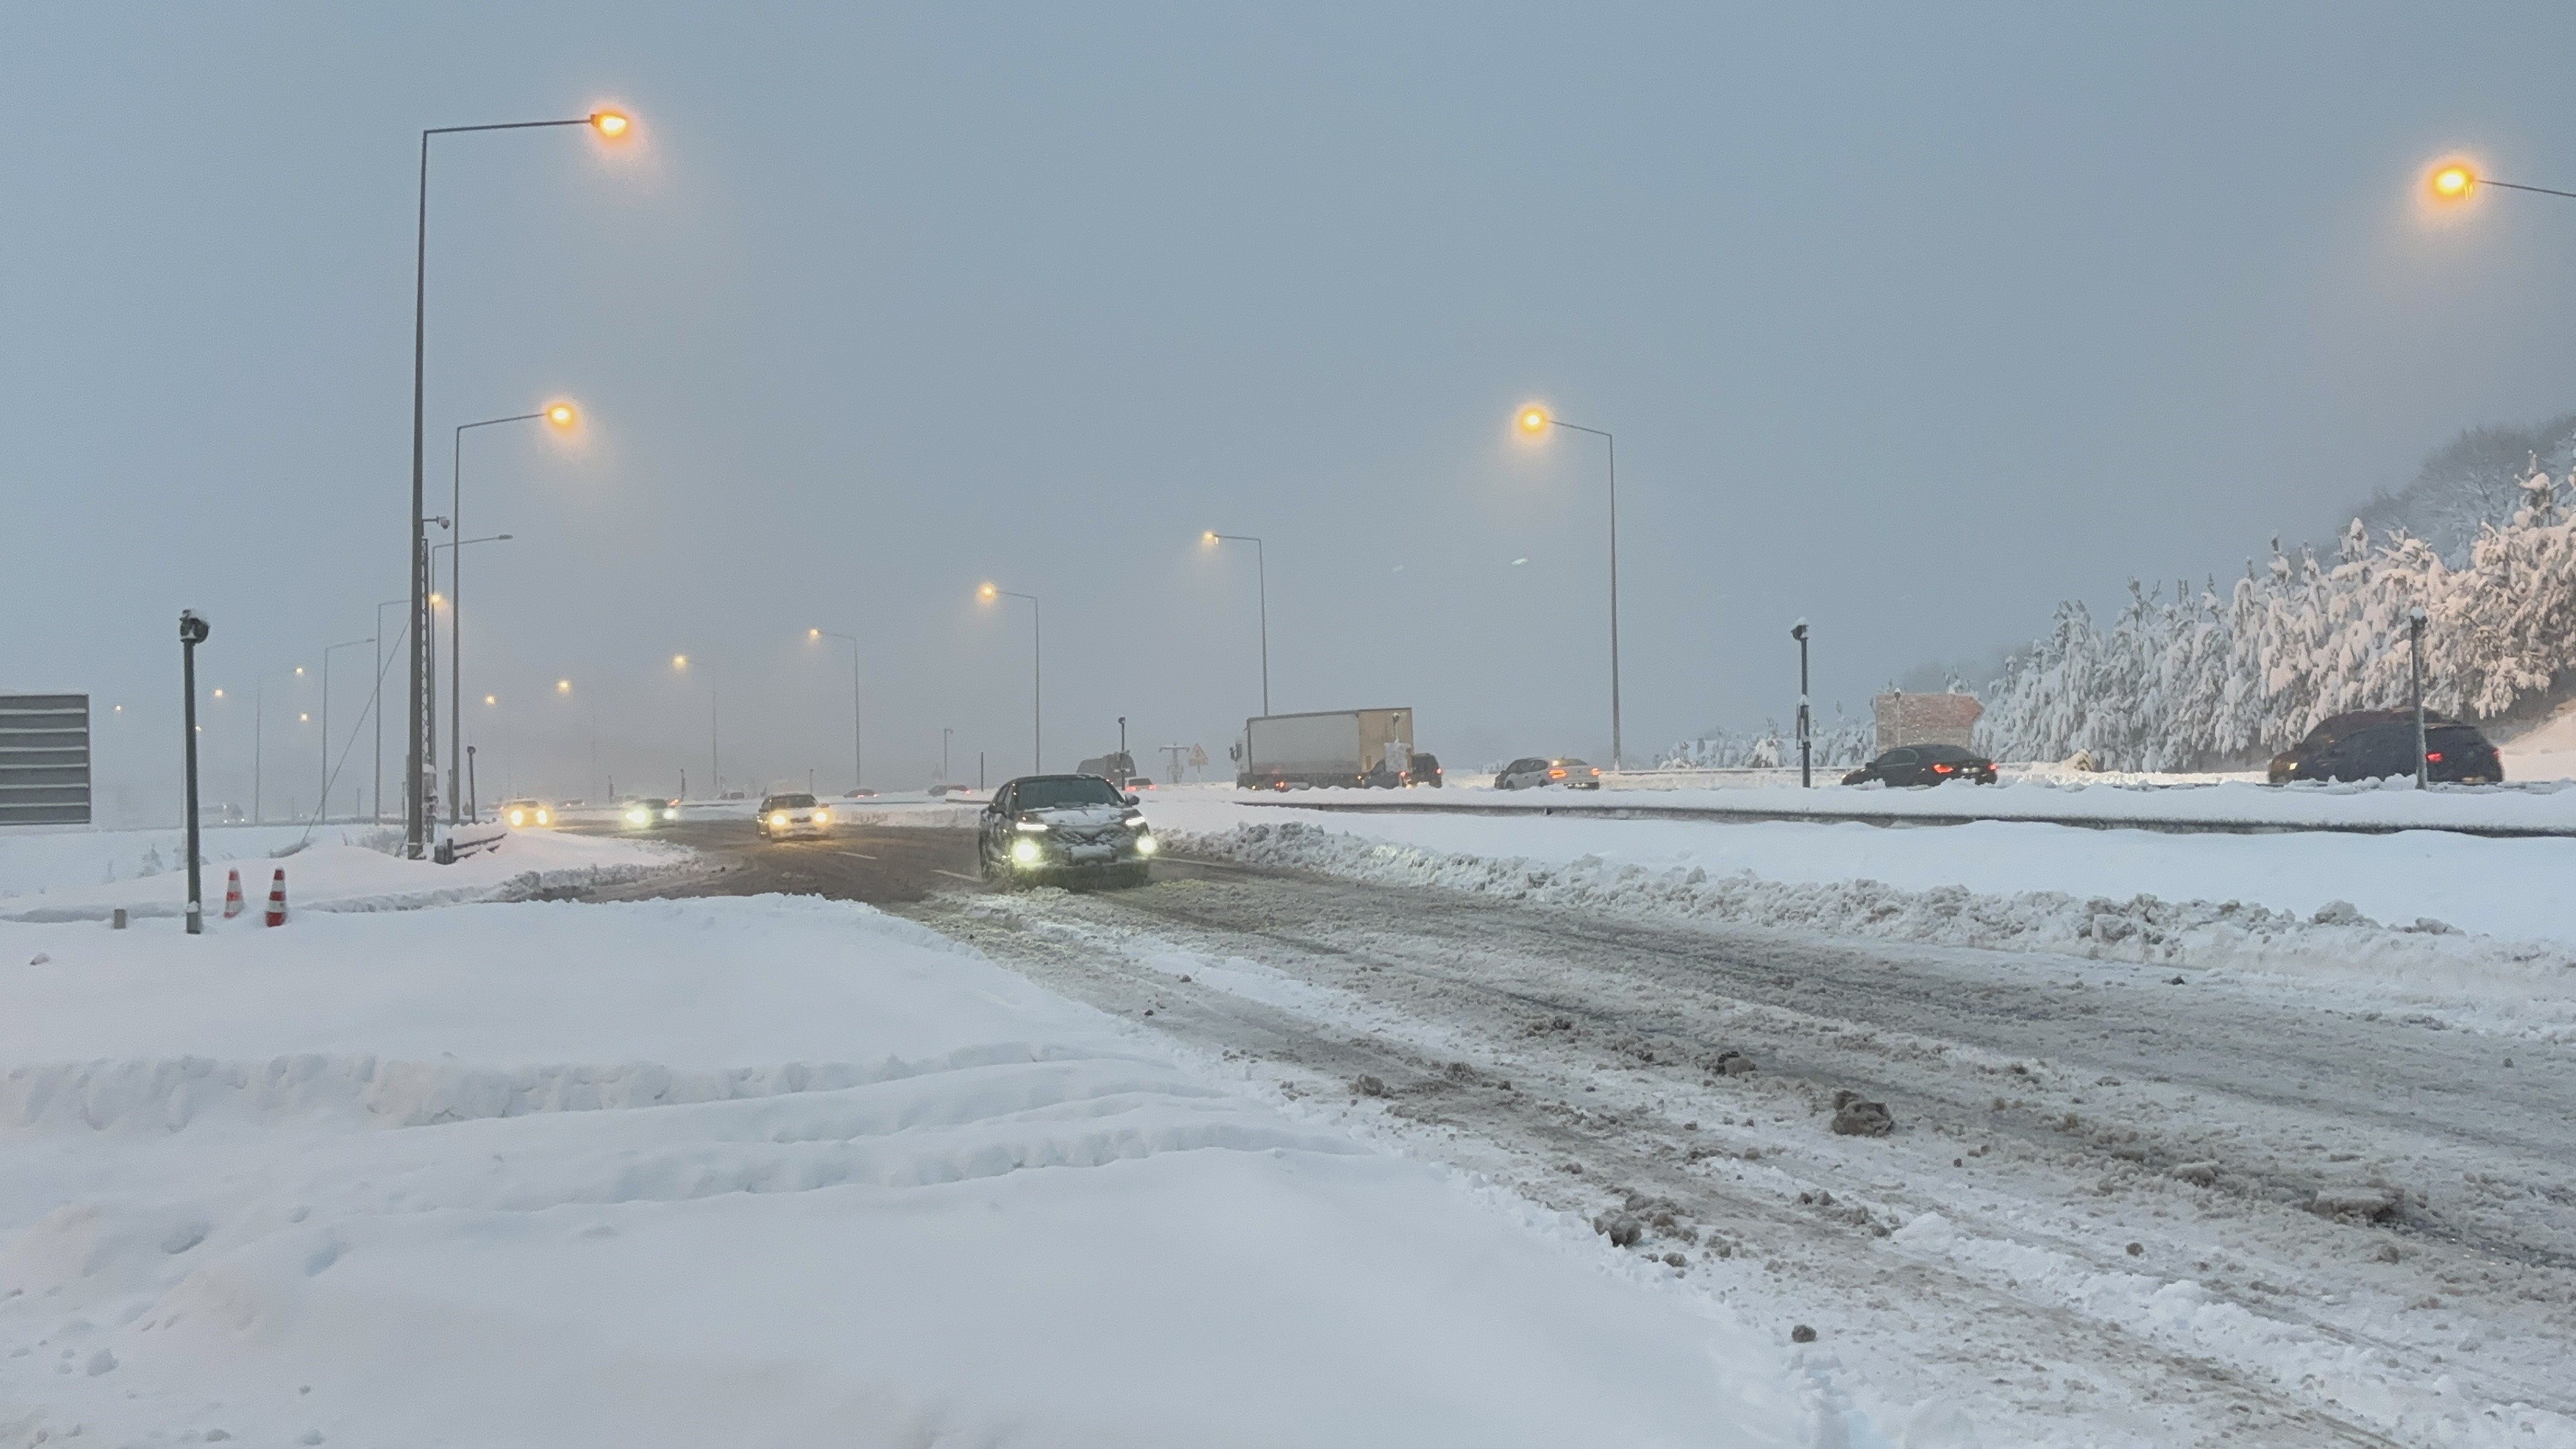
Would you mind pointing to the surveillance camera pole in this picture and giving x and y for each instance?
(1806, 726)
(2415, 635)
(192, 632)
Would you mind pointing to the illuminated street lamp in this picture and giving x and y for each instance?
(609, 126)
(1037, 675)
(2457, 181)
(858, 737)
(1261, 571)
(1534, 421)
(557, 415)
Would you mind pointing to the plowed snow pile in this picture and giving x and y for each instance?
(2517, 988)
(751, 1171)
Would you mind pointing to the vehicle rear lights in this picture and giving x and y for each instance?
(2434, 757)
(1941, 769)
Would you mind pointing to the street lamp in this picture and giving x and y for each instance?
(609, 126)
(1261, 571)
(258, 752)
(556, 415)
(323, 811)
(1806, 725)
(1037, 675)
(2456, 181)
(858, 737)
(1534, 421)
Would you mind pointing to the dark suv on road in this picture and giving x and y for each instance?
(2371, 744)
(1074, 826)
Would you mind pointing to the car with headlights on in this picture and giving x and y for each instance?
(1533, 774)
(526, 814)
(646, 812)
(1925, 765)
(786, 817)
(1064, 827)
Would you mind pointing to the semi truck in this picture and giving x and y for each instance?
(1334, 747)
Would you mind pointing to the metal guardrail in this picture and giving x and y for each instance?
(2173, 825)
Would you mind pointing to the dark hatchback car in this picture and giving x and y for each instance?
(2372, 744)
(1925, 765)
(1077, 826)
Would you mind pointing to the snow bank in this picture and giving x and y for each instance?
(750, 1171)
(2515, 987)
(87, 875)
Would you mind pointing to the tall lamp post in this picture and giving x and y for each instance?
(1806, 721)
(323, 810)
(455, 686)
(1534, 421)
(858, 733)
(1261, 571)
(192, 632)
(611, 126)
(556, 415)
(1037, 676)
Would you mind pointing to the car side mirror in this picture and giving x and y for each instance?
(1130, 798)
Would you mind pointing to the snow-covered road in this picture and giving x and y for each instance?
(2117, 1208)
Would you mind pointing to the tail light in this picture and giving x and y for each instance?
(2433, 757)
(1556, 774)
(1941, 769)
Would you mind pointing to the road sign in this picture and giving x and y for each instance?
(44, 759)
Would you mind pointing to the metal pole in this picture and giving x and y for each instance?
(1806, 721)
(944, 733)
(416, 760)
(1261, 572)
(469, 782)
(1037, 690)
(192, 632)
(1122, 751)
(258, 751)
(2415, 632)
(715, 772)
(1617, 757)
(456, 591)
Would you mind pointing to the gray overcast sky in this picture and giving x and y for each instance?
(1911, 320)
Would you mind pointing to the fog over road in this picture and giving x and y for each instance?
(2185, 1211)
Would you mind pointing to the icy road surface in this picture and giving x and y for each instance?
(2115, 1209)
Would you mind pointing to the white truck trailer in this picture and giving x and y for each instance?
(1335, 747)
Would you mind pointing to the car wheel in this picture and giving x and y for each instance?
(984, 862)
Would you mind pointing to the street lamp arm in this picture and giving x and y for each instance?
(1577, 427)
(2517, 186)
(504, 126)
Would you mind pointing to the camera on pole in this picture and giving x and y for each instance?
(192, 632)
(1806, 721)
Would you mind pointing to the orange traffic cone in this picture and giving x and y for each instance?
(232, 893)
(277, 899)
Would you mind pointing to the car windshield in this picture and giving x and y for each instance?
(791, 802)
(1049, 792)
(1574, 764)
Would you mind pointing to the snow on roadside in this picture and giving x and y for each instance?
(762, 1170)
(2514, 988)
(88, 875)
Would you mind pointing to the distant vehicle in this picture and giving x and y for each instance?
(525, 814)
(1139, 782)
(1425, 771)
(1116, 768)
(643, 812)
(731, 795)
(2372, 744)
(1533, 774)
(1348, 747)
(784, 816)
(1925, 765)
(1064, 825)
(858, 794)
(224, 814)
(941, 792)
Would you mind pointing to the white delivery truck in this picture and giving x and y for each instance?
(1336, 747)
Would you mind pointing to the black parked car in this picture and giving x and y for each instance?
(2371, 744)
(1064, 825)
(1925, 765)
